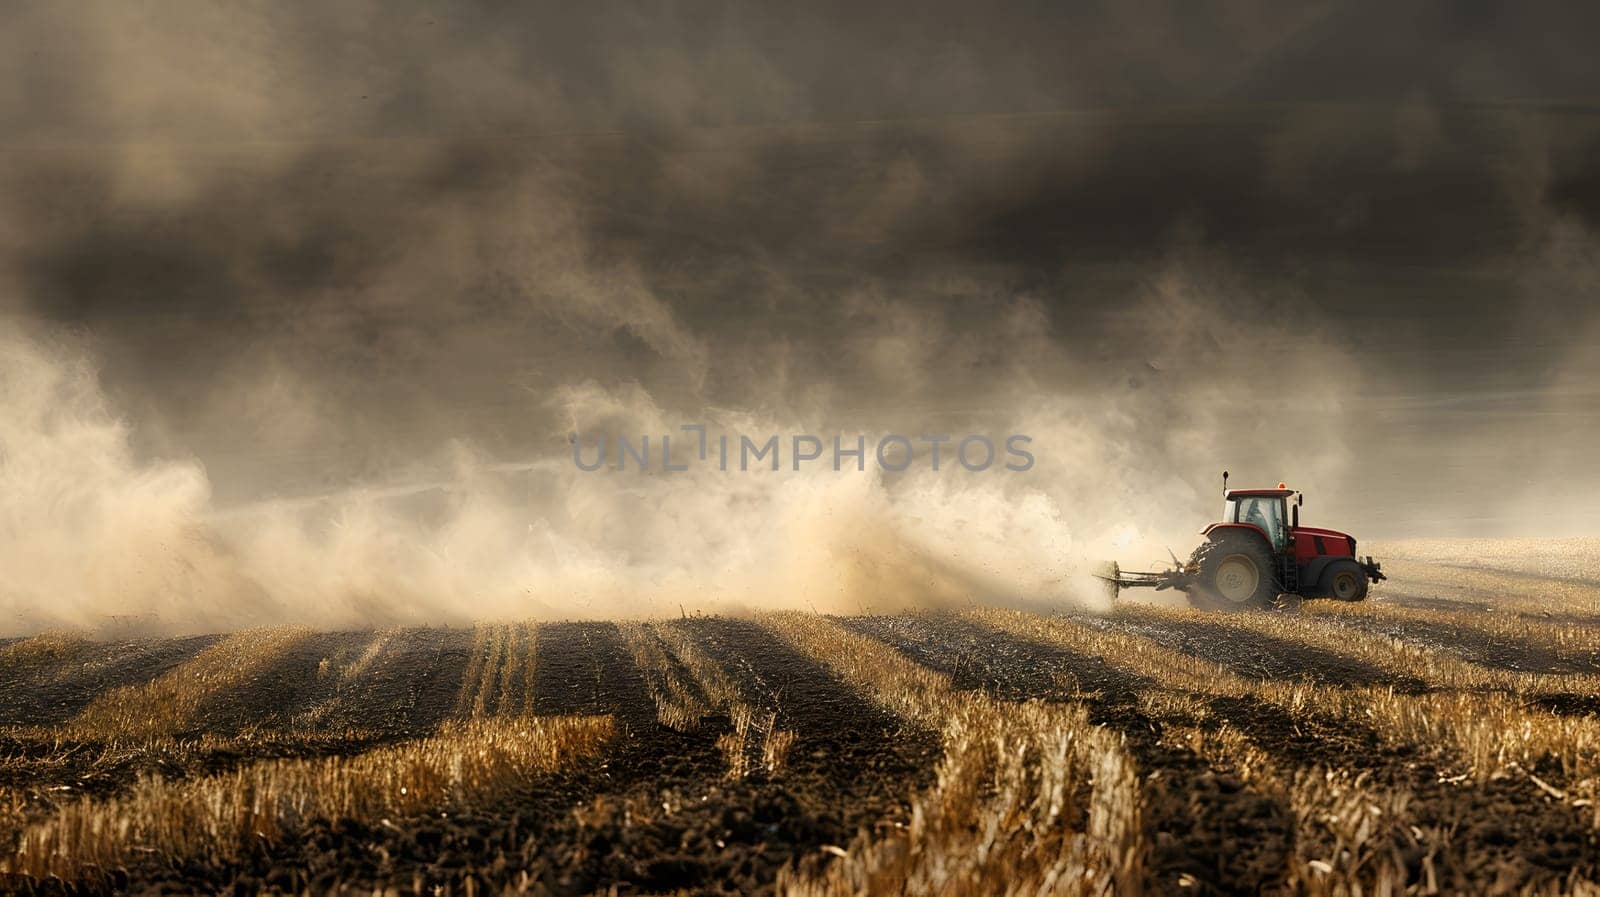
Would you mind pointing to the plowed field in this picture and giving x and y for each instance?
(1442, 737)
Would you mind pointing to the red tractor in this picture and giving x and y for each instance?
(1259, 551)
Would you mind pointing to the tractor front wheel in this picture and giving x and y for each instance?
(1234, 573)
(1345, 580)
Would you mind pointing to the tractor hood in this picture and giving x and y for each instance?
(1314, 541)
(1315, 531)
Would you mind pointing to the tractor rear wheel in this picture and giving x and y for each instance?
(1345, 580)
(1234, 573)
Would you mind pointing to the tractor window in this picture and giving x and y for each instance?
(1266, 513)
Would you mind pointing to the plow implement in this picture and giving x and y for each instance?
(1117, 579)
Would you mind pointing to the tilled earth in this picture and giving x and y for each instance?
(660, 812)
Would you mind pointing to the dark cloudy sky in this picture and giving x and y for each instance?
(318, 244)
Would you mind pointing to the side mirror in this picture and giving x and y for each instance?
(1224, 483)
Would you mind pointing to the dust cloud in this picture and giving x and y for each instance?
(99, 538)
(295, 328)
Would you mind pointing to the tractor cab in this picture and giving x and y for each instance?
(1264, 509)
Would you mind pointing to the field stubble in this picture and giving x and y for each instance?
(1441, 738)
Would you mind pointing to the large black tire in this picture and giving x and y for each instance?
(1236, 572)
(1345, 580)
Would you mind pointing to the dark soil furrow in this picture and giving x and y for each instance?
(1415, 593)
(408, 688)
(70, 769)
(1566, 703)
(431, 663)
(573, 832)
(285, 687)
(976, 657)
(1410, 592)
(721, 835)
(1400, 597)
(1559, 619)
(677, 671)
(1526, 576)
(658, 815)
(1252, 654)
(52, 690)
(1480, 646)
(586, 668)
(1494, 837)
(1208, 832)
(857, 764)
